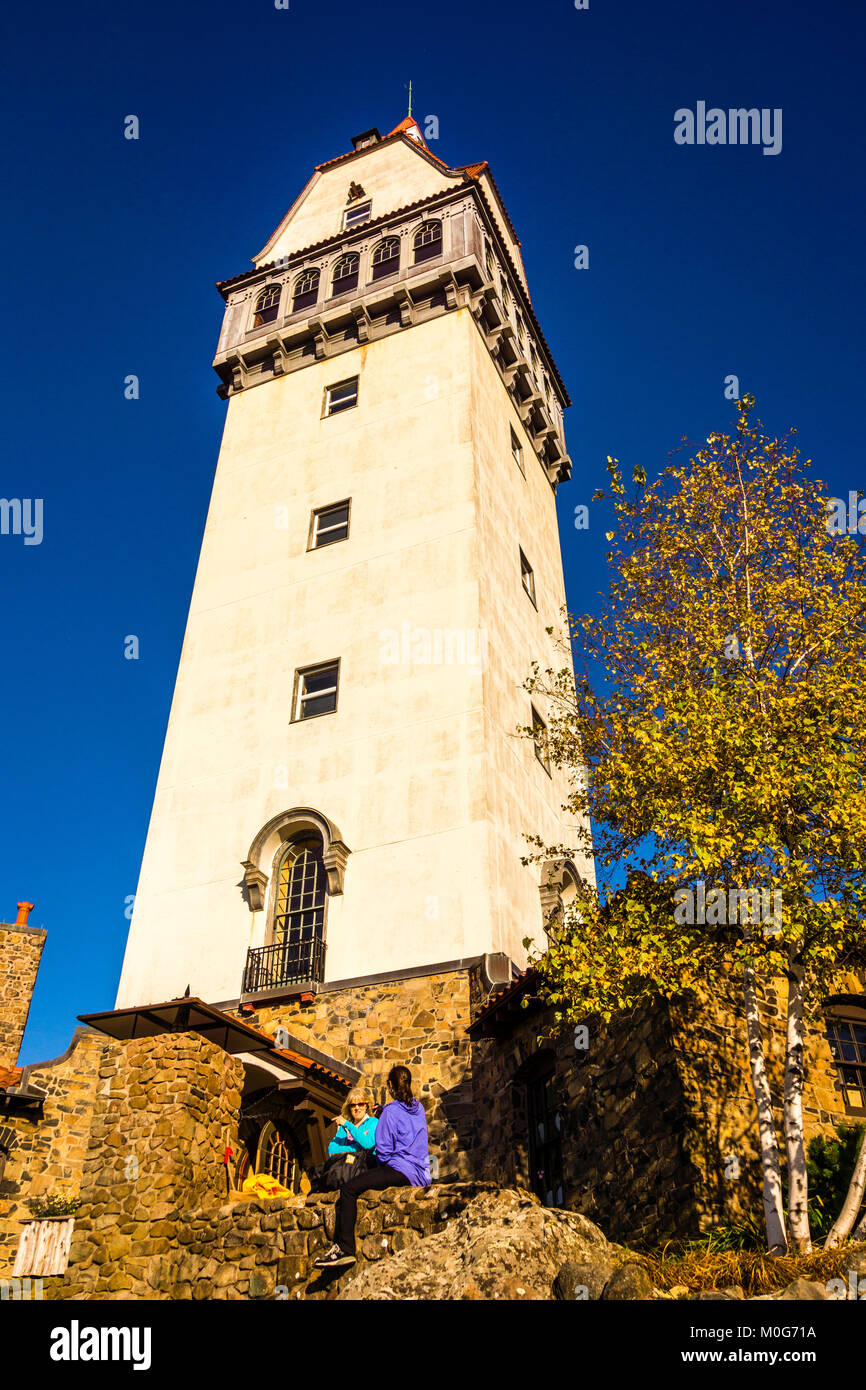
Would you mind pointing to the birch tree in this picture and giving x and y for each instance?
(715, 736)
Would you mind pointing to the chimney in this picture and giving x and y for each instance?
(24, 910)
(368, 137)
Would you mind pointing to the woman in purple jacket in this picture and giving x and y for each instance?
(401, 1148)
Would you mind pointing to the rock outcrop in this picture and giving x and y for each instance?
(503, 1245)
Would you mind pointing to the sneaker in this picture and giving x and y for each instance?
(335, 1256)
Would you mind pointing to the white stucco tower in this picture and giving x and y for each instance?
(342, 791)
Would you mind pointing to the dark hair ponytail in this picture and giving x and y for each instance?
(400, 1080)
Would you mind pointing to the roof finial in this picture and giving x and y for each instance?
(409, 112)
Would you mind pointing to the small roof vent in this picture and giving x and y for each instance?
(369, 137)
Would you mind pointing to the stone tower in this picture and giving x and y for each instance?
(342, 792)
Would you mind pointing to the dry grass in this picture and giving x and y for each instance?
(754, 1270)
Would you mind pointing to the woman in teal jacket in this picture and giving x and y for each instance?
(357, 1131)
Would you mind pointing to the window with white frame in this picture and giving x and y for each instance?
(517, 452)
(267, 306)
(341, 396)
(527, 577)
(385, 259)
(329, 524)
(345, 275)
(305, 290)
(427, 241)
(354, 216)
(316, 690)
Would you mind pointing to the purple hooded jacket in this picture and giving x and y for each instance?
(401, 1141)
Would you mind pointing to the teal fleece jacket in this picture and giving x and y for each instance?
(351, 1139)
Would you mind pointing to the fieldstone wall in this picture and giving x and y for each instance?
(657, 1115)
(622, 1117)
(50, 1148)
(165, 1109)
(713, 1063)
(20, 953)
(420, 1021)
(265, 1249)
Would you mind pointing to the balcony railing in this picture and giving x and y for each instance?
(284, 963)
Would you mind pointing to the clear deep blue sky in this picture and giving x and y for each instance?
(704, 261)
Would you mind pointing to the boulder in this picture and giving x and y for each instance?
(628, 1283)
(583, 1279)
(503, 1246)
(718, 1295)
(802, 1289)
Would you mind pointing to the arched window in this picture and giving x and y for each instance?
(345, 275)
(488, 259)
(267, 306)
(305, 291)
(427, 241)
(558, 889)
(846, 1034)
(277, 1155)
(386, 258)
(298, 928)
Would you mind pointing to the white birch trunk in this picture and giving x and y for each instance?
(798, 1178)
(841, 1227)
(774, 1217)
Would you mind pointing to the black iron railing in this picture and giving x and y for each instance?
(284, 963)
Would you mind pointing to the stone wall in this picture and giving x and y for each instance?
(165, 1109)
(713, 1063)
(657, 1116)
(420, 1021)
(622, 1115)
(50, 1149)
(258, 1249)
(20, 953)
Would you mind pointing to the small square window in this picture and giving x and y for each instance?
(353, 217)
(528, 577)
(329, 524)
(517, 452)
(539, 729)
(316, 690)
(342, 396)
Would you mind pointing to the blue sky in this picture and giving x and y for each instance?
(703, 262)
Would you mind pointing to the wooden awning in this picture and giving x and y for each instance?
(322, 1077)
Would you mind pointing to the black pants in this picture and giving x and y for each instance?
(347, 1203)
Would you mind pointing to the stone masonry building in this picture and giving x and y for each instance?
(333, 877)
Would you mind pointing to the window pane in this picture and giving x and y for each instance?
(319, 704)
(323, 679)
(355, 215)
(342, 397)
(331, 524)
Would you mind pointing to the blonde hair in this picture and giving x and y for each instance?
(356, 1093)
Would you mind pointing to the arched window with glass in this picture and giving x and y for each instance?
(296, 953)
(427, 242)
(385, 259)
(267, 306)
(305, 291)
(345, 276)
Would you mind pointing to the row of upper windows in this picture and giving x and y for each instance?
(384, 261)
